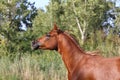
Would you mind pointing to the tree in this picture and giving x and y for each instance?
(15, 15)
(84, 14)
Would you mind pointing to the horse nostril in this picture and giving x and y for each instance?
(35, 44)
(32, 43)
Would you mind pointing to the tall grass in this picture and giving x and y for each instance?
(47, 66)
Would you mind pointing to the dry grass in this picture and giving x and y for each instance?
(31, 68)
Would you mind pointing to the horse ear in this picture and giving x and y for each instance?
(55, 27)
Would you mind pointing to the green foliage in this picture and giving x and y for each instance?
(16, 41)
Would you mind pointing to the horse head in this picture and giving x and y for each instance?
(48, 41)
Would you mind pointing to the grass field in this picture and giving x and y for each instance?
(46, 66)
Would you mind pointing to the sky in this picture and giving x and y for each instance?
(40, 3)
(117, 4)
(43, 3)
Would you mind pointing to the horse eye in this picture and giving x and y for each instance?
(48, 35)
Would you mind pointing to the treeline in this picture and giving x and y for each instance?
(81, 18)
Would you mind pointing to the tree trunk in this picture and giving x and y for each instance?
(82, 31)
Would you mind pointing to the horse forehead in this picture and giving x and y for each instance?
(41, 38)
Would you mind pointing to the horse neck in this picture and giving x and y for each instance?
(71, 53)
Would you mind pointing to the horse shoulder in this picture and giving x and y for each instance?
(84, 70)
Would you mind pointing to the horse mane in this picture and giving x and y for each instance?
(74, 40)
(93, 53)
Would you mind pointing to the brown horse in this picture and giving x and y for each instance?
(80, 65)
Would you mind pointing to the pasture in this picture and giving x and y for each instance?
(47, 66)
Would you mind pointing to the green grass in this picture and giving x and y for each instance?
(47, 66)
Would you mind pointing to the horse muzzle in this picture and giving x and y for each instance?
(35, 45)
